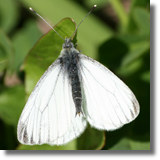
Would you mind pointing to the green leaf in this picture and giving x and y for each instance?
(132, 26)
(23, 41)
(128, 144)
(91, 139)
(142, 19)
(127, 139)
(12, 100)
(8, 14)
(124, 50)
(137, 145)
(6, 53)
(137, 51)
(45, 52)
(137, 45)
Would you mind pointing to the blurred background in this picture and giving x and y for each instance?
(116, 33)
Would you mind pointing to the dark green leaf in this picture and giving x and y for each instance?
(91, 139)
(12, 101)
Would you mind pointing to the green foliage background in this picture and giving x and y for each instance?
(118, 39)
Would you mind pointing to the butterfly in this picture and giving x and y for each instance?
(74, 90)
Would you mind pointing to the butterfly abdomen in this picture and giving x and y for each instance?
(76, 90)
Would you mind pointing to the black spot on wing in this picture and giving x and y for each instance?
(25, 136)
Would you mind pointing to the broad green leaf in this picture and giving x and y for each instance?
(142, 19)
(132, 26)
(128, 144)
(131, 68)
(23, 41)
(117, 53)
(12, 100)
(45, 52)
(8, 14)
(6, 53)
(137, 51)
(138, 145)
(134, 142)
(124, 50)
(138, 46)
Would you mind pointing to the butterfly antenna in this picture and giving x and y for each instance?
(45, 21)
(84, 19)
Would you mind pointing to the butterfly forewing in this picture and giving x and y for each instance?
(49, 114)
(108, 102)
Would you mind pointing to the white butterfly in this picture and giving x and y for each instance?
(75, 84)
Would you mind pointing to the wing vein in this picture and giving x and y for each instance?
(100, 115)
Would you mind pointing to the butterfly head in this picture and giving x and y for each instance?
(67, 43)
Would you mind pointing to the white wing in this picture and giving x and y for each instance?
(108, 102)
(49, 114)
